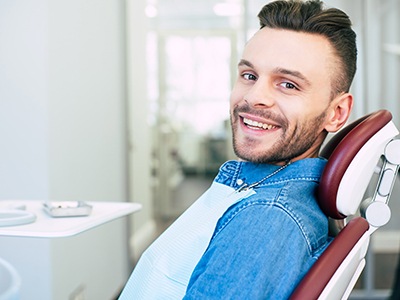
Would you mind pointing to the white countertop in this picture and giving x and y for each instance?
(46, 226)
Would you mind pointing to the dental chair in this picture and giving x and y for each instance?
(364, 147)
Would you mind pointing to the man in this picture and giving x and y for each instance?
(258, 229)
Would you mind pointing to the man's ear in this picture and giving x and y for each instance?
(339, 112)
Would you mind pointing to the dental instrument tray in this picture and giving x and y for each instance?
(67, 208)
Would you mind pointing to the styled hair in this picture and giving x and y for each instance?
(312, 17)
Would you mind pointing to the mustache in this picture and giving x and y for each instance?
(262, 113)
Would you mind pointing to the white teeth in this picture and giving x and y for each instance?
(258, 124)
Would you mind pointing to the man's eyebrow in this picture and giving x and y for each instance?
(244, 62)
(294, 73)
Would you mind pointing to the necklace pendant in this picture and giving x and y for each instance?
(243, 188)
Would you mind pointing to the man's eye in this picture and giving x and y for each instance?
(249, 76)
(288, 85)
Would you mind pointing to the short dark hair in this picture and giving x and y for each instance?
(312, 17)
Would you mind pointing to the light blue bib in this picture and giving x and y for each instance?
(164, 269)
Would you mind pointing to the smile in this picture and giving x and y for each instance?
(256, 124)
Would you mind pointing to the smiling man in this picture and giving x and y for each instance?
(258, 229)
(283, 102)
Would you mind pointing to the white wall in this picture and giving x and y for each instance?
(23, 99)
(62, 115)
(62, 93)
(143, 227)
(86, 99)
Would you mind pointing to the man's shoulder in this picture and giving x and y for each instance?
(292, 200)
(309, 169)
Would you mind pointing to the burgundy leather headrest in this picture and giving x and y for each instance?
(340, 151)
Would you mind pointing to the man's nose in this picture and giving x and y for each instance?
(260, 95)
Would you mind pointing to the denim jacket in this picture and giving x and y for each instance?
(253, 244)
(263, 245)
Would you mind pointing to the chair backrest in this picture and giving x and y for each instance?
(353, 155)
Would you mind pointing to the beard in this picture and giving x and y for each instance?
(290, 144)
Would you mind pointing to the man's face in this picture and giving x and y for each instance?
(280, 100)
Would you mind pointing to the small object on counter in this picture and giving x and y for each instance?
(67, 208)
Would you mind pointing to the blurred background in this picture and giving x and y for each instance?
(128, 100)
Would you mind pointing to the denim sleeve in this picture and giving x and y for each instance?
(259, 253)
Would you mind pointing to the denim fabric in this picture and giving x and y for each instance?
(263, 245)
(253, 244)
